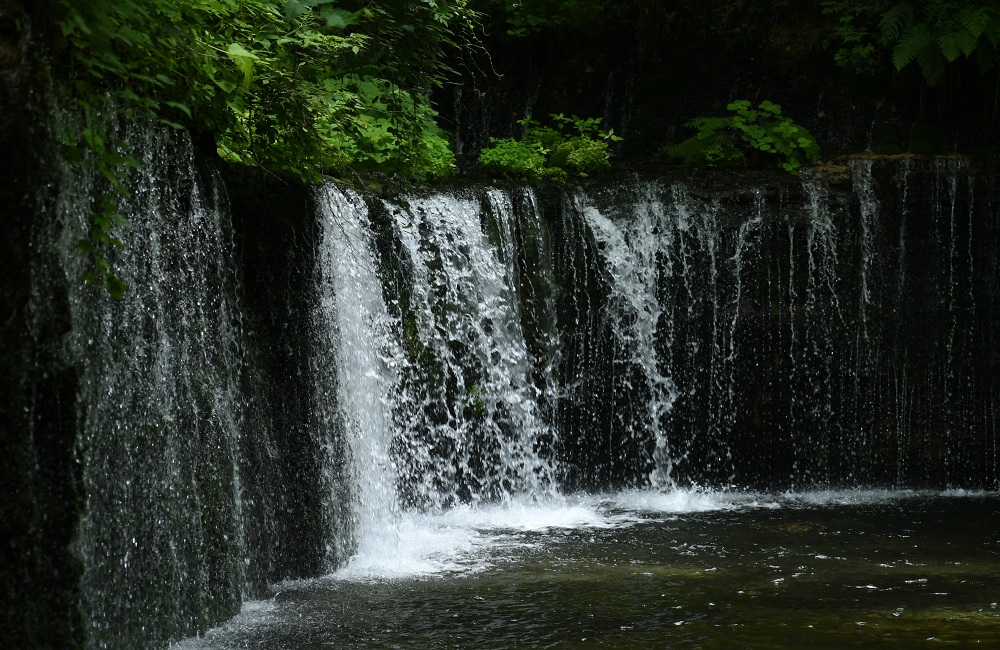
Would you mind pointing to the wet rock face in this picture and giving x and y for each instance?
(275, 236)
(19, 151)
(37, 405)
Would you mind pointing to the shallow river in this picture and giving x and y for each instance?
(649, 570)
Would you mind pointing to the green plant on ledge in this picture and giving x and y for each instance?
(725, 141)
(551, 153)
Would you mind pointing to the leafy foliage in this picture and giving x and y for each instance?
(928, 33)
(518, 159)
(550, 153)
(93, 151)
(724, 141)
(305, 87)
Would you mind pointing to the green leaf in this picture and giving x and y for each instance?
(931, 65)
(949, 46)
(294, 9)
(895, 21)
(226, 86)
(956, 43)
(338, 18)
(770, 107)
(181, 107)
(974, 19)
(116, 288)
(244, 61)
(914, 40)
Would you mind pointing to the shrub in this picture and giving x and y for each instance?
(725, 141)
(512, 157)
(550, 153)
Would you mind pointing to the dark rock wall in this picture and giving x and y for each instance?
(52, 568)
(38, 411)
(647, 67)
(276, 238)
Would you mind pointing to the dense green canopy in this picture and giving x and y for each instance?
(301, 86)
(323, 86)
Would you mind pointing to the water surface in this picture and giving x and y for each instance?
(675, 570)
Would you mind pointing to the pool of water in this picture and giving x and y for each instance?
(650, 570)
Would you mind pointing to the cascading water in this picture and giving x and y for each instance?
(435, 399)
(492, 351)
(672, 313)
(813, 323)
(754, 336)
(464, 349)
(734, 339)
(632, 259)
(476, 432)
(353, 314)
(161, 540)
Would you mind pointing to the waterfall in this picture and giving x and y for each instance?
(290, 383)
(353, 315)
(476, 433)
(961, 303)
(435, 400)
(631, 250)
(161, 540)
(648, 335)
(643, 335)
(815, 309)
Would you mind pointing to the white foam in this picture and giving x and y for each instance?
(462, 539)
(253, 614)
(675, 501)
(420, 545)
(537, 516)
(845, 497)
(961, 492)
(470, 538)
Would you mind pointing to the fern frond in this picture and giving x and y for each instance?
(975, 20)
(915, 40)
(699, 150)
(707, 126)
(993, 35)
(955, 43)
(895, 22)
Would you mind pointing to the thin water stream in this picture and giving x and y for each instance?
(650, 570)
